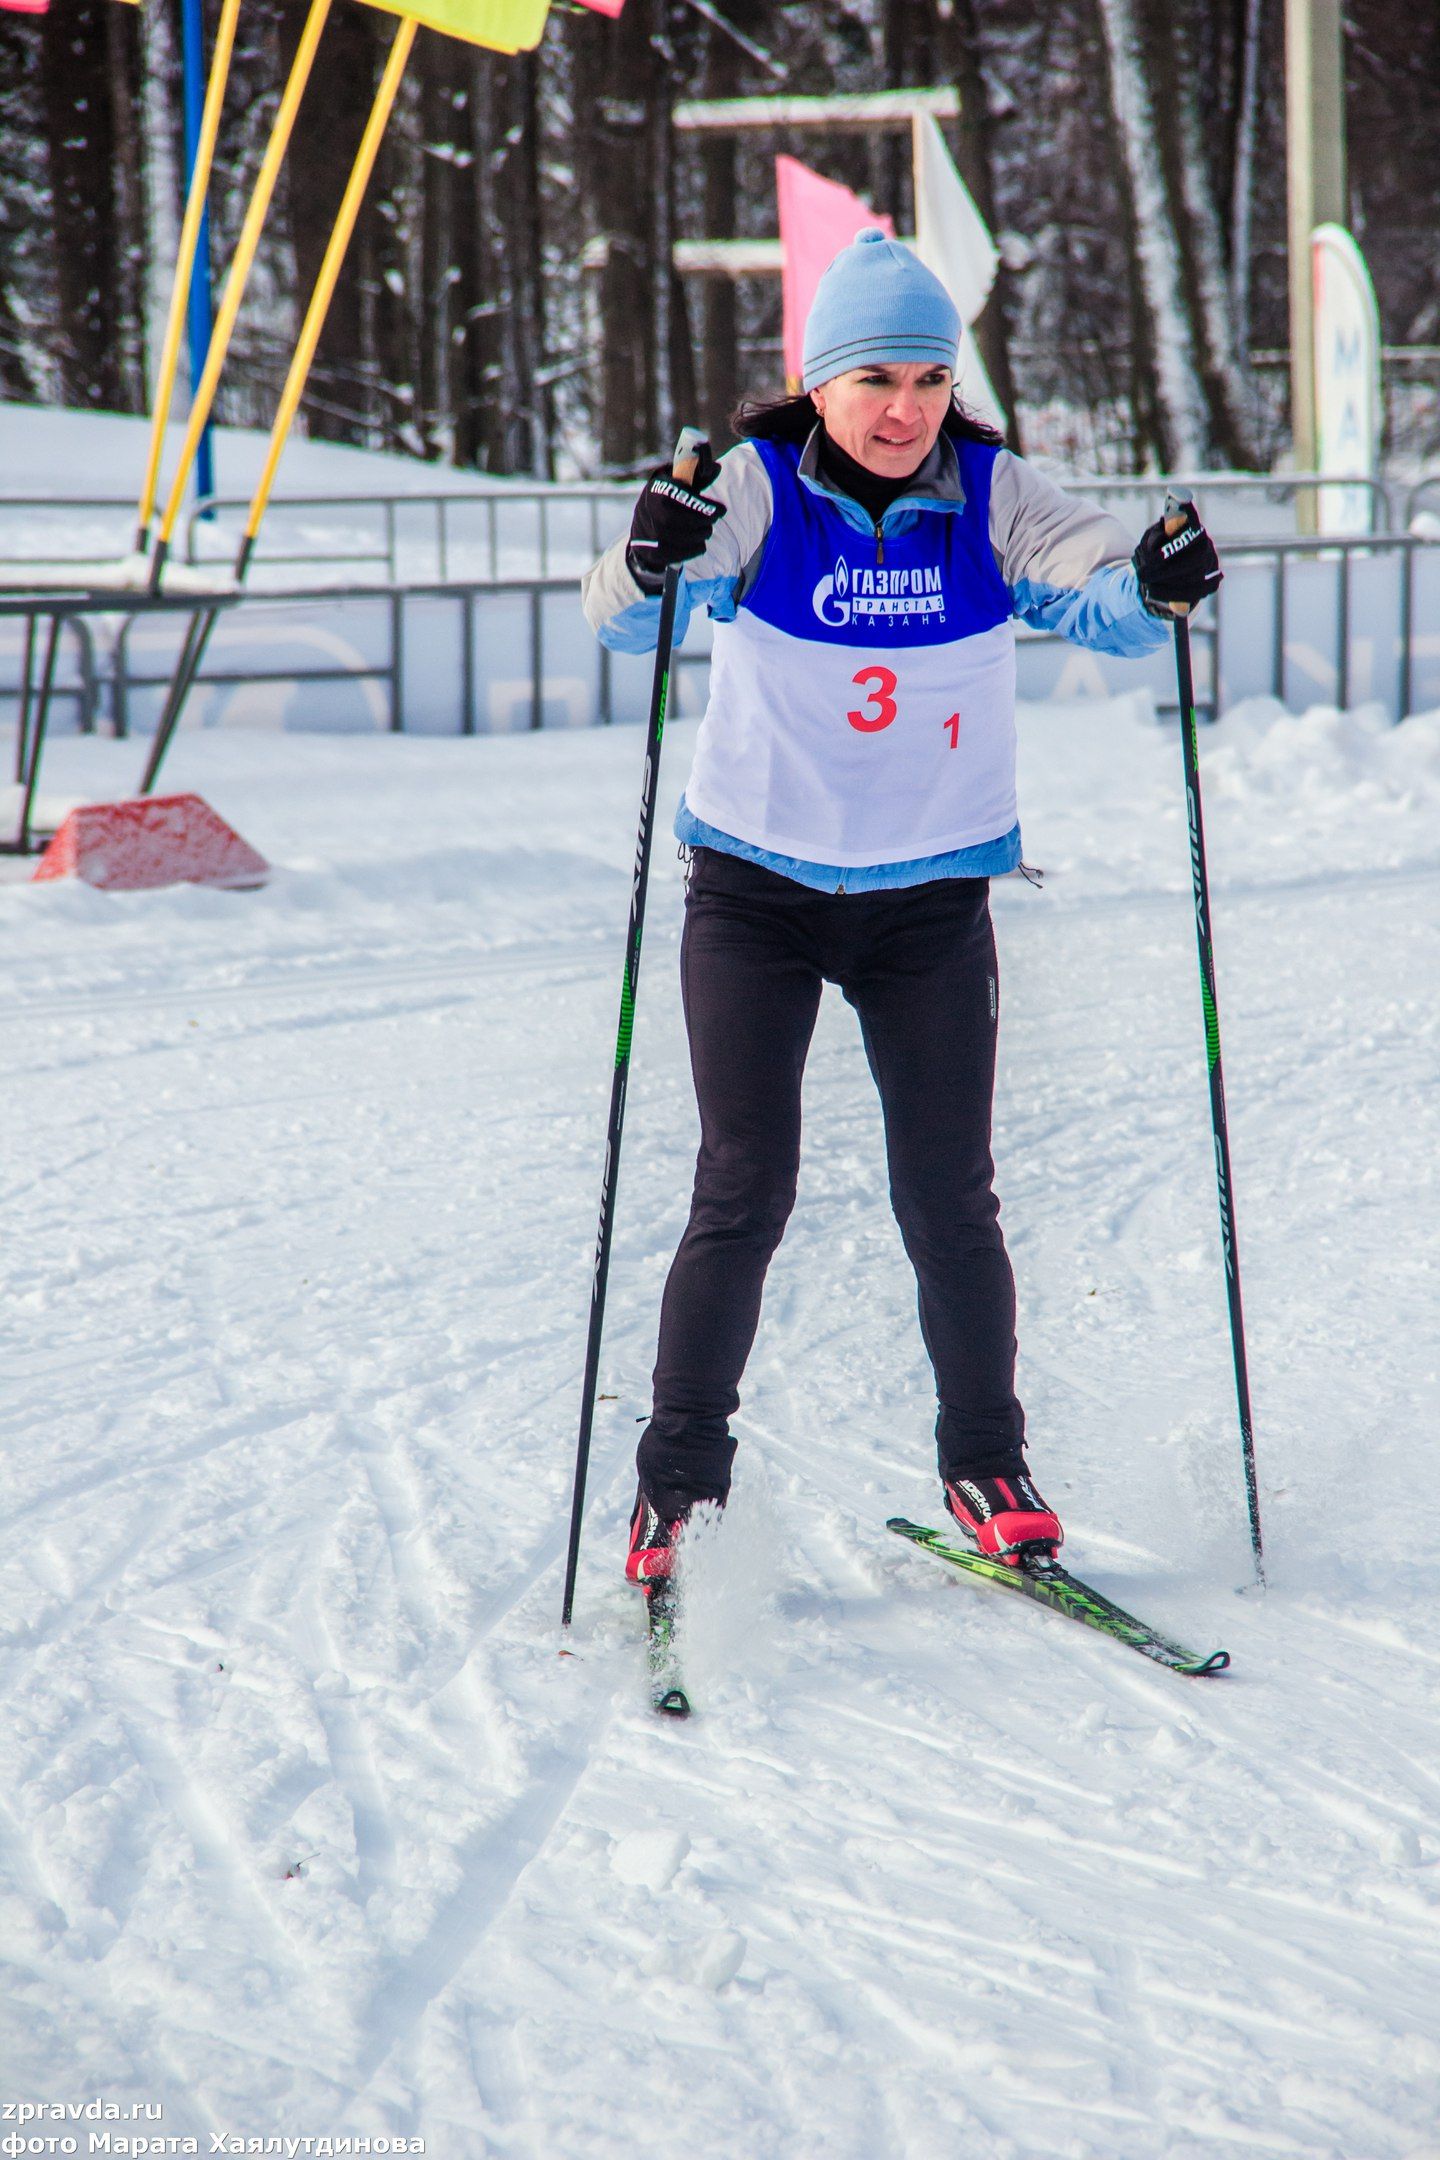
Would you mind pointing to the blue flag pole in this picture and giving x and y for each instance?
(200, 312)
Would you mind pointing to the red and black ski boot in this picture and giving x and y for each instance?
(652, 1545)
(1004, 1516)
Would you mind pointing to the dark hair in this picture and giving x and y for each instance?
(790, 419)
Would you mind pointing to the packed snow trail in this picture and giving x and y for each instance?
(305, 1828)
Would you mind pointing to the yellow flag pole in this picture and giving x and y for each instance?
(245, 247)
(185, 261)
(203, 623)
(326, 282)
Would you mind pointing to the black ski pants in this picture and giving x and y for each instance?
(918, 965)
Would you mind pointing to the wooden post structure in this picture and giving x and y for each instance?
(1315, 163)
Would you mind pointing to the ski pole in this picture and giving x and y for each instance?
(1177, 504)
(689, 451)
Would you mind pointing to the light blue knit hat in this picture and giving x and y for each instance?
(877, 302)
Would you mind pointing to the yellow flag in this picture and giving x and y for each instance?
(505, 25)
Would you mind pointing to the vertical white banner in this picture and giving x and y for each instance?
(953, 240)
(1347, 379)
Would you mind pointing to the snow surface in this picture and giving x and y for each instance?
(305, 1829)
(49, 451)
(54, 463)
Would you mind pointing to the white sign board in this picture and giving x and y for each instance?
(1347, 379)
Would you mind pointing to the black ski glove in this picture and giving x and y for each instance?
(1179, 566)
(672, 523)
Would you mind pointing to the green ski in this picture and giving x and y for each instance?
(1040, 1577)
(667, 1695)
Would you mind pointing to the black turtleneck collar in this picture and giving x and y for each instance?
(873, 491)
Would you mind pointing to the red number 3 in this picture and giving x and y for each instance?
(878, 684)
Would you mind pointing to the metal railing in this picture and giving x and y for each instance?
(1422, 496)
(79, 681)
(1343, 562)
(1231, 489)
(1300, 619)
(495, 534)
(498, 518)
(506, 672)
(472, 659)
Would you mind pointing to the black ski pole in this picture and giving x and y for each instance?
(1176, 507)
(688, 452)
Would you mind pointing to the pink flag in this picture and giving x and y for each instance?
(604, 7)
(818, 217)
(26, 7)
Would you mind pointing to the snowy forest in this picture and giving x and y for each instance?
(510, 305)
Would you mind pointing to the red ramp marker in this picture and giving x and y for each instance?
(154, 840)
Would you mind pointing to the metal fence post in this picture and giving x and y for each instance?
(1342, 652)
(1407, 619)
(85, 661)
(120, 683)
(27, 691)
(397, 663)
(467, 662)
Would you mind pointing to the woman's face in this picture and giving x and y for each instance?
(888, 416)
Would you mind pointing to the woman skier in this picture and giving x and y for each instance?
(863, 552)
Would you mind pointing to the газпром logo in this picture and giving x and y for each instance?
(871, 589)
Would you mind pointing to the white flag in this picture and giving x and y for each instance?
(953, 240)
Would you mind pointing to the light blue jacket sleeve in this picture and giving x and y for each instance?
(1106, 612)
(635, 627)
(627, 619)
(1067, 563)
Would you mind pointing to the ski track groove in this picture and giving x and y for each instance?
(161, 997)
(491, 1865)
(182, 1797)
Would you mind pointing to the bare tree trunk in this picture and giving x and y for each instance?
(902, 26)
(629, 394)
(73, 71)
(501, 425)
(123, 42)
(529, 315)
(1201, 248)
(440, 115)
(721, 388)
(1182, 412)
(469, 257)
(26, 296)
(393, 348)
(163, 182)
(337, 405)
(960, 59)
(1242, 181)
